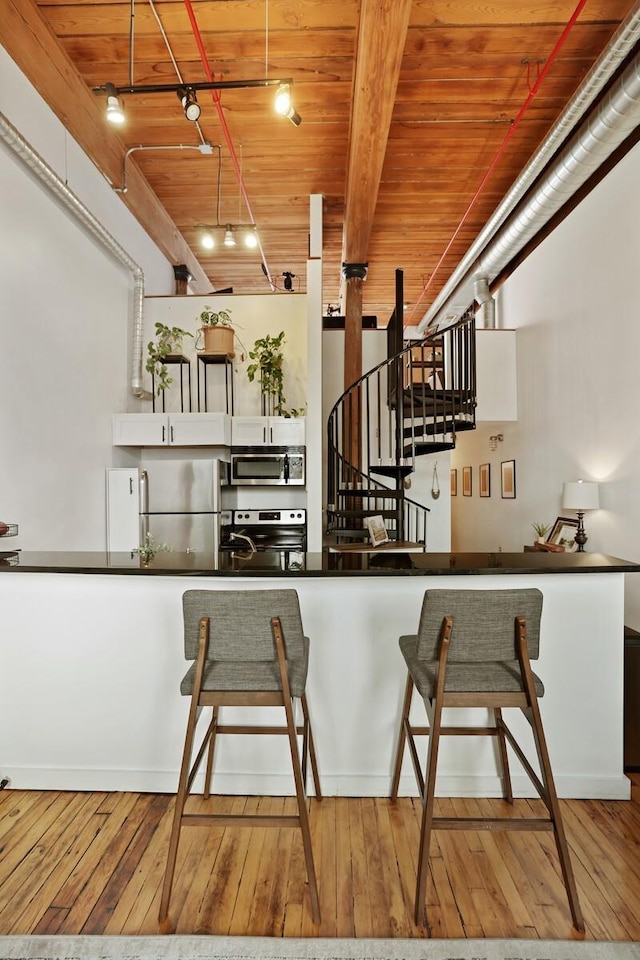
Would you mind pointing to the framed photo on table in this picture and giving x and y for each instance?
(563, 533)
(485, 479)
(508, 479)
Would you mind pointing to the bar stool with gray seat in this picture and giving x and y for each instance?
(473, 649)
(249, 649)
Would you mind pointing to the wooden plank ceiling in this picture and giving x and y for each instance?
(465, 72)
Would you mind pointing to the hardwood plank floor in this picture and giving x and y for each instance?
(93, 863)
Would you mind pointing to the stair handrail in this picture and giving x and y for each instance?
(454, 398)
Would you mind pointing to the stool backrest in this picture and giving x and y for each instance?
(240, 623)
(483, 623)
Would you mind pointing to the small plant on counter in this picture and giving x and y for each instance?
(168, 340)
(541, 529)
(147, 550)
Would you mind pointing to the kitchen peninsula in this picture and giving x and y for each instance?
(92, 658)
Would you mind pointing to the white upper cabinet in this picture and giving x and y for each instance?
(171, 429)
(265, 431)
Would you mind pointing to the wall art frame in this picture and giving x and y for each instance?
(508, 479)
(484, 480)
(467, 481)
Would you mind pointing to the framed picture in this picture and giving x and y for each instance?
(485, 479)
(466, 481)
(508, 479)
(377, 530)
(454, 483)
(563, 533)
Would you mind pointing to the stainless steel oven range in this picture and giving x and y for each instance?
(265, 530)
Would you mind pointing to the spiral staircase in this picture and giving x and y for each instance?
(411, 404)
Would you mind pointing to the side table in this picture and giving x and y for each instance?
(170, 359)
(211, 359)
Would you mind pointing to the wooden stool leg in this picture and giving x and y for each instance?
(302, 810)
(311, 747)
(181, 796)
(551, 798)
(212, 743)
(402, 738)
(428, 799)
(554, 809)
(507, 791)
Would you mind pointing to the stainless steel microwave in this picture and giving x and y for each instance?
(268, 466)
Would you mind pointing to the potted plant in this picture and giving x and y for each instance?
(217, 332)
(148, 549)
(267, 363)
(541, 530)
(168, 341)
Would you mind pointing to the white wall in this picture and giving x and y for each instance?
(574, 304)
(64, 322)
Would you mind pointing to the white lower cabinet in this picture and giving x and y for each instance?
(171, 429)
(264, 431)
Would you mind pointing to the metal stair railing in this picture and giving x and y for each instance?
(411, 403)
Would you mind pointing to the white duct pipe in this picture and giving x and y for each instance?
(58, 189)
(486, 316)
(454, 298)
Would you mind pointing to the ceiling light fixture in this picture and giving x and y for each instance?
(229, 239)
(251, 239)
(288, 279)
(189, 101)
(207, 240)
(115, 109)
(187, 95)
(282, 103)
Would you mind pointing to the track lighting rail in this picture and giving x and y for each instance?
(175, 87)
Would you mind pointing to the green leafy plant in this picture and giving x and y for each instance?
(168, 340)
(541, 529)
(209, 318)
(147, 550)
(267, 363)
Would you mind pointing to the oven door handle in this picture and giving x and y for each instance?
(285, 468)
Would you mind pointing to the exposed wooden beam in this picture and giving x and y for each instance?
(382, 32)
(29, 40)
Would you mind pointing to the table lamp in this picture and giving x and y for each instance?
(580, 495)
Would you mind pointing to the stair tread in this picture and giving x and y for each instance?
(379, 494)
(391, 470)
(387, 514)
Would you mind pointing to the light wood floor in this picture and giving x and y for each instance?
(92, 863)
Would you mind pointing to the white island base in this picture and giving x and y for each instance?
(91, 667)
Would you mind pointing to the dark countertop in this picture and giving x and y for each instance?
(316, 564)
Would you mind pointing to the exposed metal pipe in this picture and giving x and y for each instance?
(486, 317)
(599, 140)
(61, 192)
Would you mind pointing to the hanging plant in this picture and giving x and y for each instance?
(168, 340)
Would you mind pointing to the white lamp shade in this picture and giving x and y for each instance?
(580, 495)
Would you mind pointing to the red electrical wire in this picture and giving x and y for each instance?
(215, 95)
(512, 129)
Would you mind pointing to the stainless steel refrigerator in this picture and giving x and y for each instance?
(181, 503)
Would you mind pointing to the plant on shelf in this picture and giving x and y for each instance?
(541, 529)
(208, 318)
(148, 549)
(268, 358)
(168, 341)
(217, 332)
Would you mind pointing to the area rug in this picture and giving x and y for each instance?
(274, 948)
